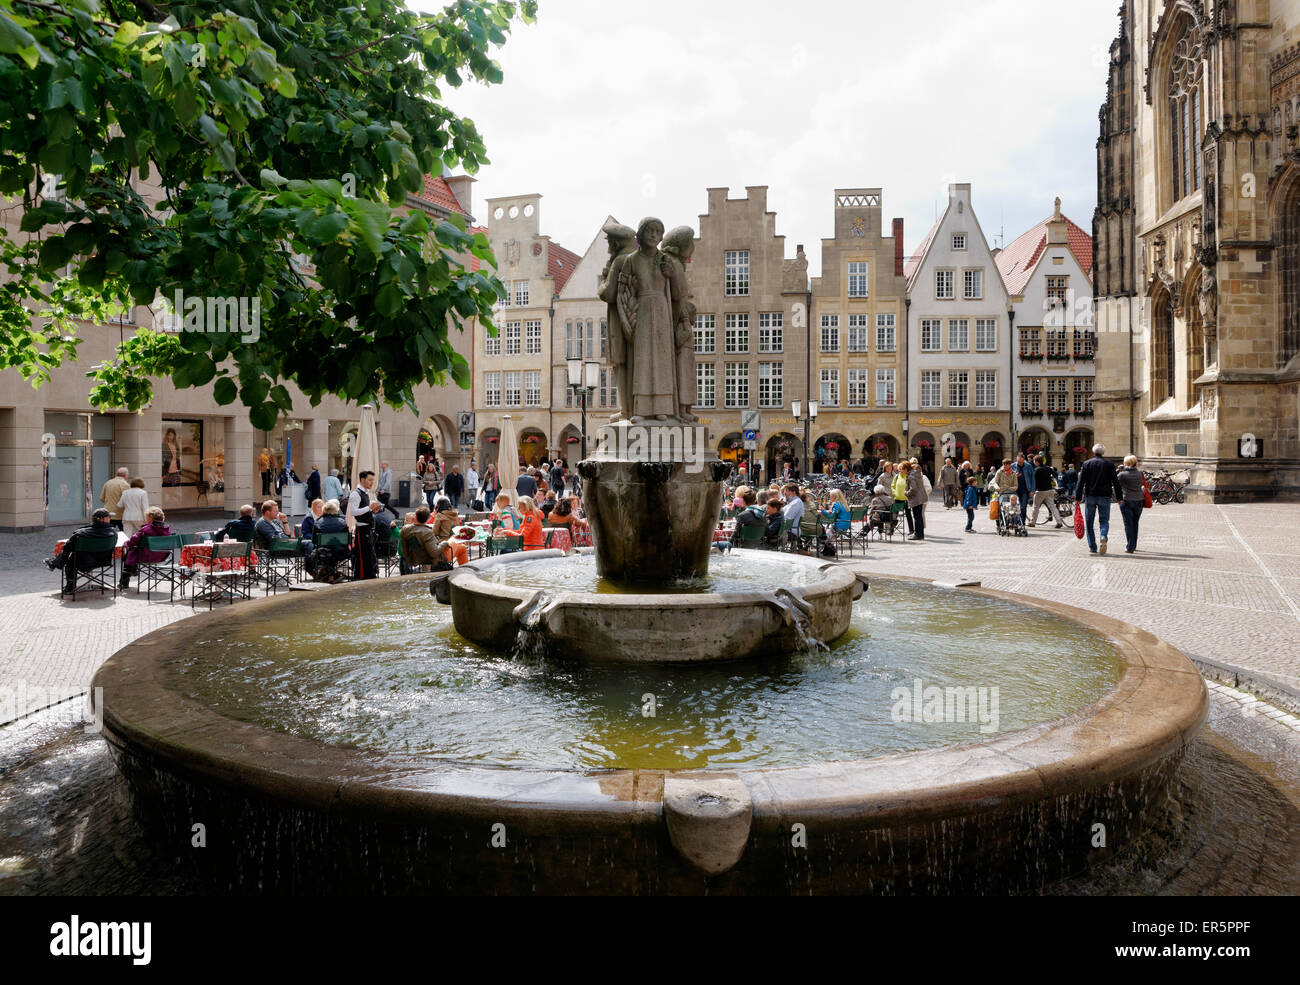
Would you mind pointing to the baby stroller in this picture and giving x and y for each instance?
(1009, 520)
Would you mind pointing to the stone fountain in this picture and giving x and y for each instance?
(287, 808)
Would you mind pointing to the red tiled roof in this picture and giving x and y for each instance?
(913, 263)
(560, 264)
(437, 191)
(474, 262)
(1018, 260)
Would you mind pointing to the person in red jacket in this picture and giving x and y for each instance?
(530, 525)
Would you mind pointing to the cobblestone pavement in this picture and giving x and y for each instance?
(1219, 582)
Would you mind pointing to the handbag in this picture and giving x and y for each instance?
(1079, 530)
(1146, 496)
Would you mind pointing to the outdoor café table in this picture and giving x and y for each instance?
(724, 530)
(558, 538)
(117, 551)
(202, 553)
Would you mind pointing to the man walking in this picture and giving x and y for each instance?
(362, 510)
(526, 485)
(453, 485)
(948, 481)
(313, 485)
(111, 495)
(1044, 494)
(1096, 485)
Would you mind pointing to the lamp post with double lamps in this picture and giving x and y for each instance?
(796, 406)
(584, 377)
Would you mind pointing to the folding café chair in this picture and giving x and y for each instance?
(90, 560)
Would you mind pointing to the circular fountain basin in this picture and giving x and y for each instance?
(751, 605)
(1004, 811)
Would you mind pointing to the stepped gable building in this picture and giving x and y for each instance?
(751, 329)
(512, 369)
(960, 361)
(1048, 275)
(1197, 233)
(859, 310)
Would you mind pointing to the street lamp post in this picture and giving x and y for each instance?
(583, 379)
(796, 406)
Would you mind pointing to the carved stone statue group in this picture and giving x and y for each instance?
(651, 321)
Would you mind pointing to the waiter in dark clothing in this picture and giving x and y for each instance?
(362, 510)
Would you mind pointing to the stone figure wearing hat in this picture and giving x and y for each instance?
(622, 243)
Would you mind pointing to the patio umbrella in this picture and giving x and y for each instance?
(508, 457)
(365, 458)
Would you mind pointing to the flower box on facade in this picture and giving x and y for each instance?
(1031, 356)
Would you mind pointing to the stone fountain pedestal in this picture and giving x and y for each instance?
(652, 521)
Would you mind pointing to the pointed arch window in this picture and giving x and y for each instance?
(1185, 125)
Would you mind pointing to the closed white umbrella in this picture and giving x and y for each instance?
(508, 457)
(366, 456)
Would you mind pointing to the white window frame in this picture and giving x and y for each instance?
(972, 284)
(706, 384)
(521, 294)
(859, 280)
(859, 387)
(959, 241)
(513, 329)
(492, 389)
(735, 273)
(886, 332)
(533, 388)
(986, 329)
(830, 333)
(830, 388)
(932, 331)
(958, 378)
(706, 335)
(958, 334)
(1083, 387)
(931, 388)
(859, 333)
(771, 384)
(736, 332)
(512, 388)
(736, 379)
(491, 343)
(945, 280)
(886, 387)
(771, 331)
(1031, 395)
(986, 388)
(532, 338)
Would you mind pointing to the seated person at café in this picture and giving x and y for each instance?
(271, 527)
(446, 519)
(548, 505)
(308, 526)
(561, 514)
(134, 553)
(878, 512)
(578, 525)
(100, 526)
(420, 545)
(775, 518)
(241, 527)
(505, 516)
(752, 515)
(530, 525)
(322, 561)
(838, 512)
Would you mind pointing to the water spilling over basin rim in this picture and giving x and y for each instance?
(290, 814)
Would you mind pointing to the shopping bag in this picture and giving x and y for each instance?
(1146, 496)
(1078, 521)
(993, 509)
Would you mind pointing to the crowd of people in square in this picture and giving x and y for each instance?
(437, 536)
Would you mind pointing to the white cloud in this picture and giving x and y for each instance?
(803, 98)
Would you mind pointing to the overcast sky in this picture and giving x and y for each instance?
(635, 109)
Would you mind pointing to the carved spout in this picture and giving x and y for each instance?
(708, 819)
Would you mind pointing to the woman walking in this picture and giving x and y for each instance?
(134, 503)
(1135, 493)
(917, 497)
